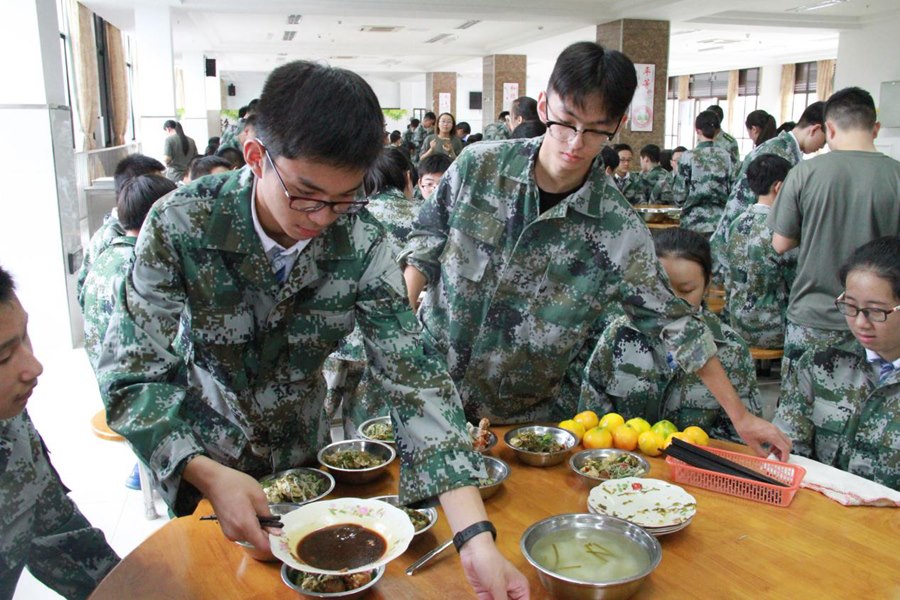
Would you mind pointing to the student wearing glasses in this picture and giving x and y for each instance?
(841, 405)
(272, 266)
(525, 246)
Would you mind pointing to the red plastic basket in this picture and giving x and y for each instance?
(790, 475)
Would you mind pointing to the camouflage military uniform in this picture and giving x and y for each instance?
(40, 526)
(663, 192)
(742, 197)
(758, 281)
(837, 412)
(100, 241)
(345, 367)
(704, 178)
(230, 138)
(629, 373)
(250, 393)
(418, 137)
(100, 291)
(651, 181)
(632, 187)
(516, 300)
(498, 130)
(726, 141)
(800, 339)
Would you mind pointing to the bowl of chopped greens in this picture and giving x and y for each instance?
(297, 486)
(356, 461)
(422, 518)
(597, 465)
(539, 445)
(379, 429)
(497, 473)
(345, 587)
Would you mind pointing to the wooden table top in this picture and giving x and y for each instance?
(734, 548)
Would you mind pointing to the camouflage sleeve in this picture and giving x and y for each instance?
(795, 407)
(681, 182)
(142, 380)
(435, 451)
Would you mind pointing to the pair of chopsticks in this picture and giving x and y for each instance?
(703, 459)
(264, 521)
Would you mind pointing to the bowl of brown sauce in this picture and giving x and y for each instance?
(342, 537)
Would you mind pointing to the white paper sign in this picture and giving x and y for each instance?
(510, 93)
(642, 104)
(444, 102)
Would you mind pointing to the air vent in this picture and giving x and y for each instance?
(718, 41)
(294, 19)
(380, 28)
(468, 24)
(289, 36)
(710, 49)
(439, 38)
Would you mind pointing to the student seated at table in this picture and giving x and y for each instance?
(841, 405)
(652, 174)
(431, 169)
(758, 280)
(40, 527)
(632, 374)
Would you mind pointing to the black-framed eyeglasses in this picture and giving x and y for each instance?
(873, 315)
(565, 132)
(309, 205)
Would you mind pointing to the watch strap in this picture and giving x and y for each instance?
(471, 531)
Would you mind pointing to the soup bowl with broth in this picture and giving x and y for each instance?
(590, 557)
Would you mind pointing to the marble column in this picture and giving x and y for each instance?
(193, 77)
(154, 98)
(501, 71)
(644, 42)
(437, 83)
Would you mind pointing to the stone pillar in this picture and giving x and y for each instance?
(154, 97)
(438, 83)
(645, 42)
(499, 70)
(39, 232)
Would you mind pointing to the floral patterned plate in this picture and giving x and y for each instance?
(388, 521)
(644, 502)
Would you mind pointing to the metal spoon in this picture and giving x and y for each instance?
(418, 564)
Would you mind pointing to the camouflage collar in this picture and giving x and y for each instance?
(124, 240)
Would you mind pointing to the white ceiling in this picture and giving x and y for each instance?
(706, 35)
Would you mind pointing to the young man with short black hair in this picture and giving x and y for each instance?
(628, 183)
(522, 110)
(273, 265)
(500, 129)
(431, 169)
(525, 244)
(425, 128)
(652, 175)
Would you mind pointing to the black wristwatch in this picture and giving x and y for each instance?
(471, 531)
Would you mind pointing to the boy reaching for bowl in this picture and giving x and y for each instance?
(271, 266)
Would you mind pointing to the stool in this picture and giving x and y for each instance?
(101, 429)
(764, 358)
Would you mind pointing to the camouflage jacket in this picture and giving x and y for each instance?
(418, 137)
(704, 177)
(835, 411)
(100, 241)
(498, 130)
(230, 138)
(664, 190)
(250, 393)
(101, 288)
(73, 557)
(515, 299)
(632, 187)
(629, 373)
(741, 196)
(651, 185)
(758, 280)
(729, 144)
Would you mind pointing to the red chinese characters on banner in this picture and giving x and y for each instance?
(642, 104)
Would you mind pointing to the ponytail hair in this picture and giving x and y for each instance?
(170, 124)
(765, 122)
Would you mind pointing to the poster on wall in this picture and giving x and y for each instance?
(444, 102)
(642, 104)
(510, 93)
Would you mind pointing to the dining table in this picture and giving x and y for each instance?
(733, 547)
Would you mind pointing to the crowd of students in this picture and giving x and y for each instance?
(439, 282)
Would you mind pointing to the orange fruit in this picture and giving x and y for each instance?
(678, 434)
(651, 443)
(696, 435)
(638, 424)
(624, 437)
(598, 437)
(587, 418)
(573, 427)
(664, 428)
(611, 421)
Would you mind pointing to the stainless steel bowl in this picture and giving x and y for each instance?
(578, 459)
(361, 430)
(497, 470)
(658, 214)
(356, 476)
(574, 589)
(431, 513)
(542, 459)
(288, 576)
(325, 477)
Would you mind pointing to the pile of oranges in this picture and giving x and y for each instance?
(613, 431)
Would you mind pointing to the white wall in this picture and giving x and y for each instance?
(248, 84)
(466, 83)
(866, 58)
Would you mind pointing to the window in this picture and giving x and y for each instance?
(805, 75)
(745, 103)
(671, 128)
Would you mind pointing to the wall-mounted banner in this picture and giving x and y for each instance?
(444, 102)
(510, 93)
(642, 104)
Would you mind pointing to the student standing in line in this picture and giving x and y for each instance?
(179, 151)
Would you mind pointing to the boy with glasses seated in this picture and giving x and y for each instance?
(526, 245)
(273, 265)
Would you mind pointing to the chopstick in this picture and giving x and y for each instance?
(264, 521)
(704, 459)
